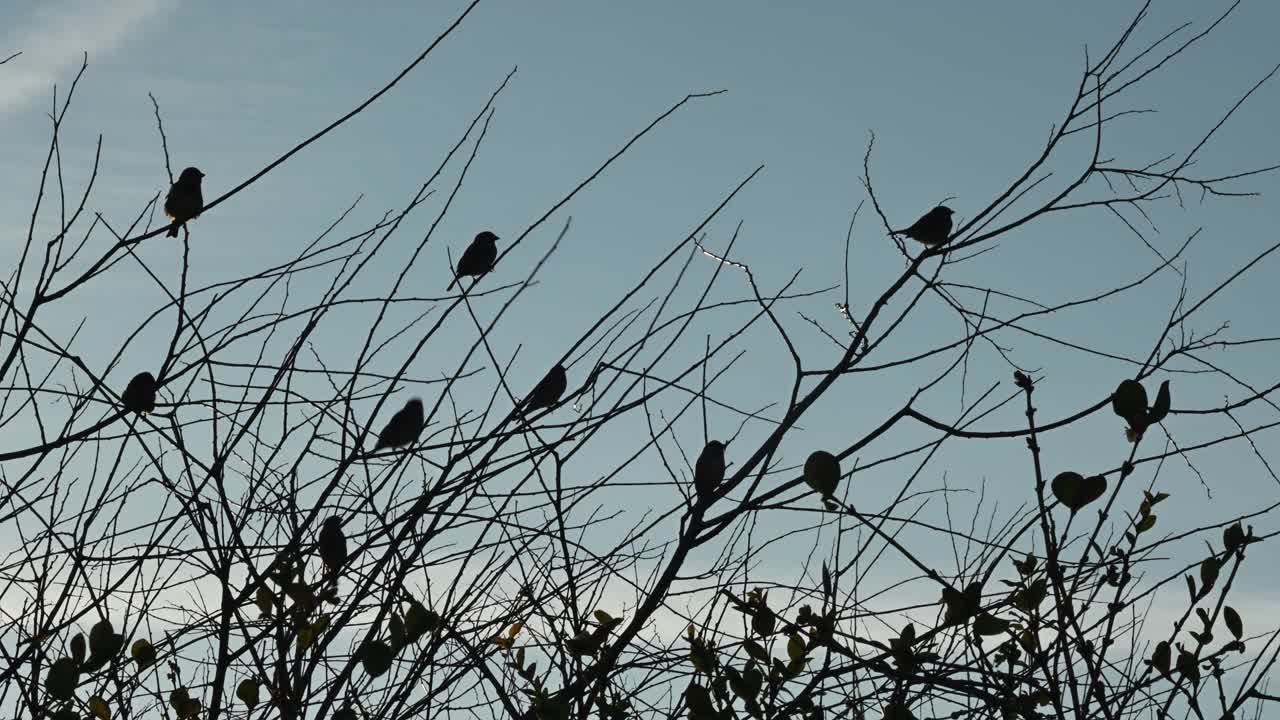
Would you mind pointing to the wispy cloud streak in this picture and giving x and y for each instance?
(54, 36)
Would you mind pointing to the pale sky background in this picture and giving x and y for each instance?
(960, 95)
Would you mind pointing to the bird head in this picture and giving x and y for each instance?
(414, 403)
(716, 446)
(333, 523)
(190, 175)
(944, 210)
(144, 377)
(486, 237)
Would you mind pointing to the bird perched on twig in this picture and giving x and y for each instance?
(478, 258)
(184, 201)
(708, 472)
(332, 544)
(548, 390)
(140, 396)
(403, 428)
(933, 229)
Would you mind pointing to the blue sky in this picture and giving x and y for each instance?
(960, 95)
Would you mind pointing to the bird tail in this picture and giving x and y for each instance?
(173, 230)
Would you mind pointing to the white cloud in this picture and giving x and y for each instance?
(54, 37)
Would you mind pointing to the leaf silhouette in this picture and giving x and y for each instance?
(822, 473)
(1076, 491)
(62, 678)
(376, 657)
(1232, 619)
(1160, 409)
(247, 691)
(1129, 401)
(143, 653)
(99, 708)
(1161, 658)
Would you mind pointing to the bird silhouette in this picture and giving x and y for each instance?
(332, 545)
(708, 472)
(184, 201)
(934, 228)
(140, 395)
(478, 258)
(403, 428)
(548, 390)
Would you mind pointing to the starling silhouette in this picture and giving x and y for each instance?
(708, 472)
(140, 396)
(184, 201)
(403, 428)
(478, 258)
(933, 229)
(548, 390)
(332, 545)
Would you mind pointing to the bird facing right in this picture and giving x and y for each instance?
(548, 390)
(933, 229)
(403, 428)
(332, 545)
(140, 396)
(478, 258)
(184, 201)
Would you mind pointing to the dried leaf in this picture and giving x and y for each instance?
(142, 653)
(247, 691)
(99, 708)
(795, 647)
(1208, 574)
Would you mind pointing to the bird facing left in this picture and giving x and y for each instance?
(184, 201)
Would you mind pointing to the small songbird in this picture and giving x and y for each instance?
(332, 545)
(184, 201)
(934, 228)
(548, 390)
(478, 258)
(708, 473)
(140, 396)
(403, 428)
